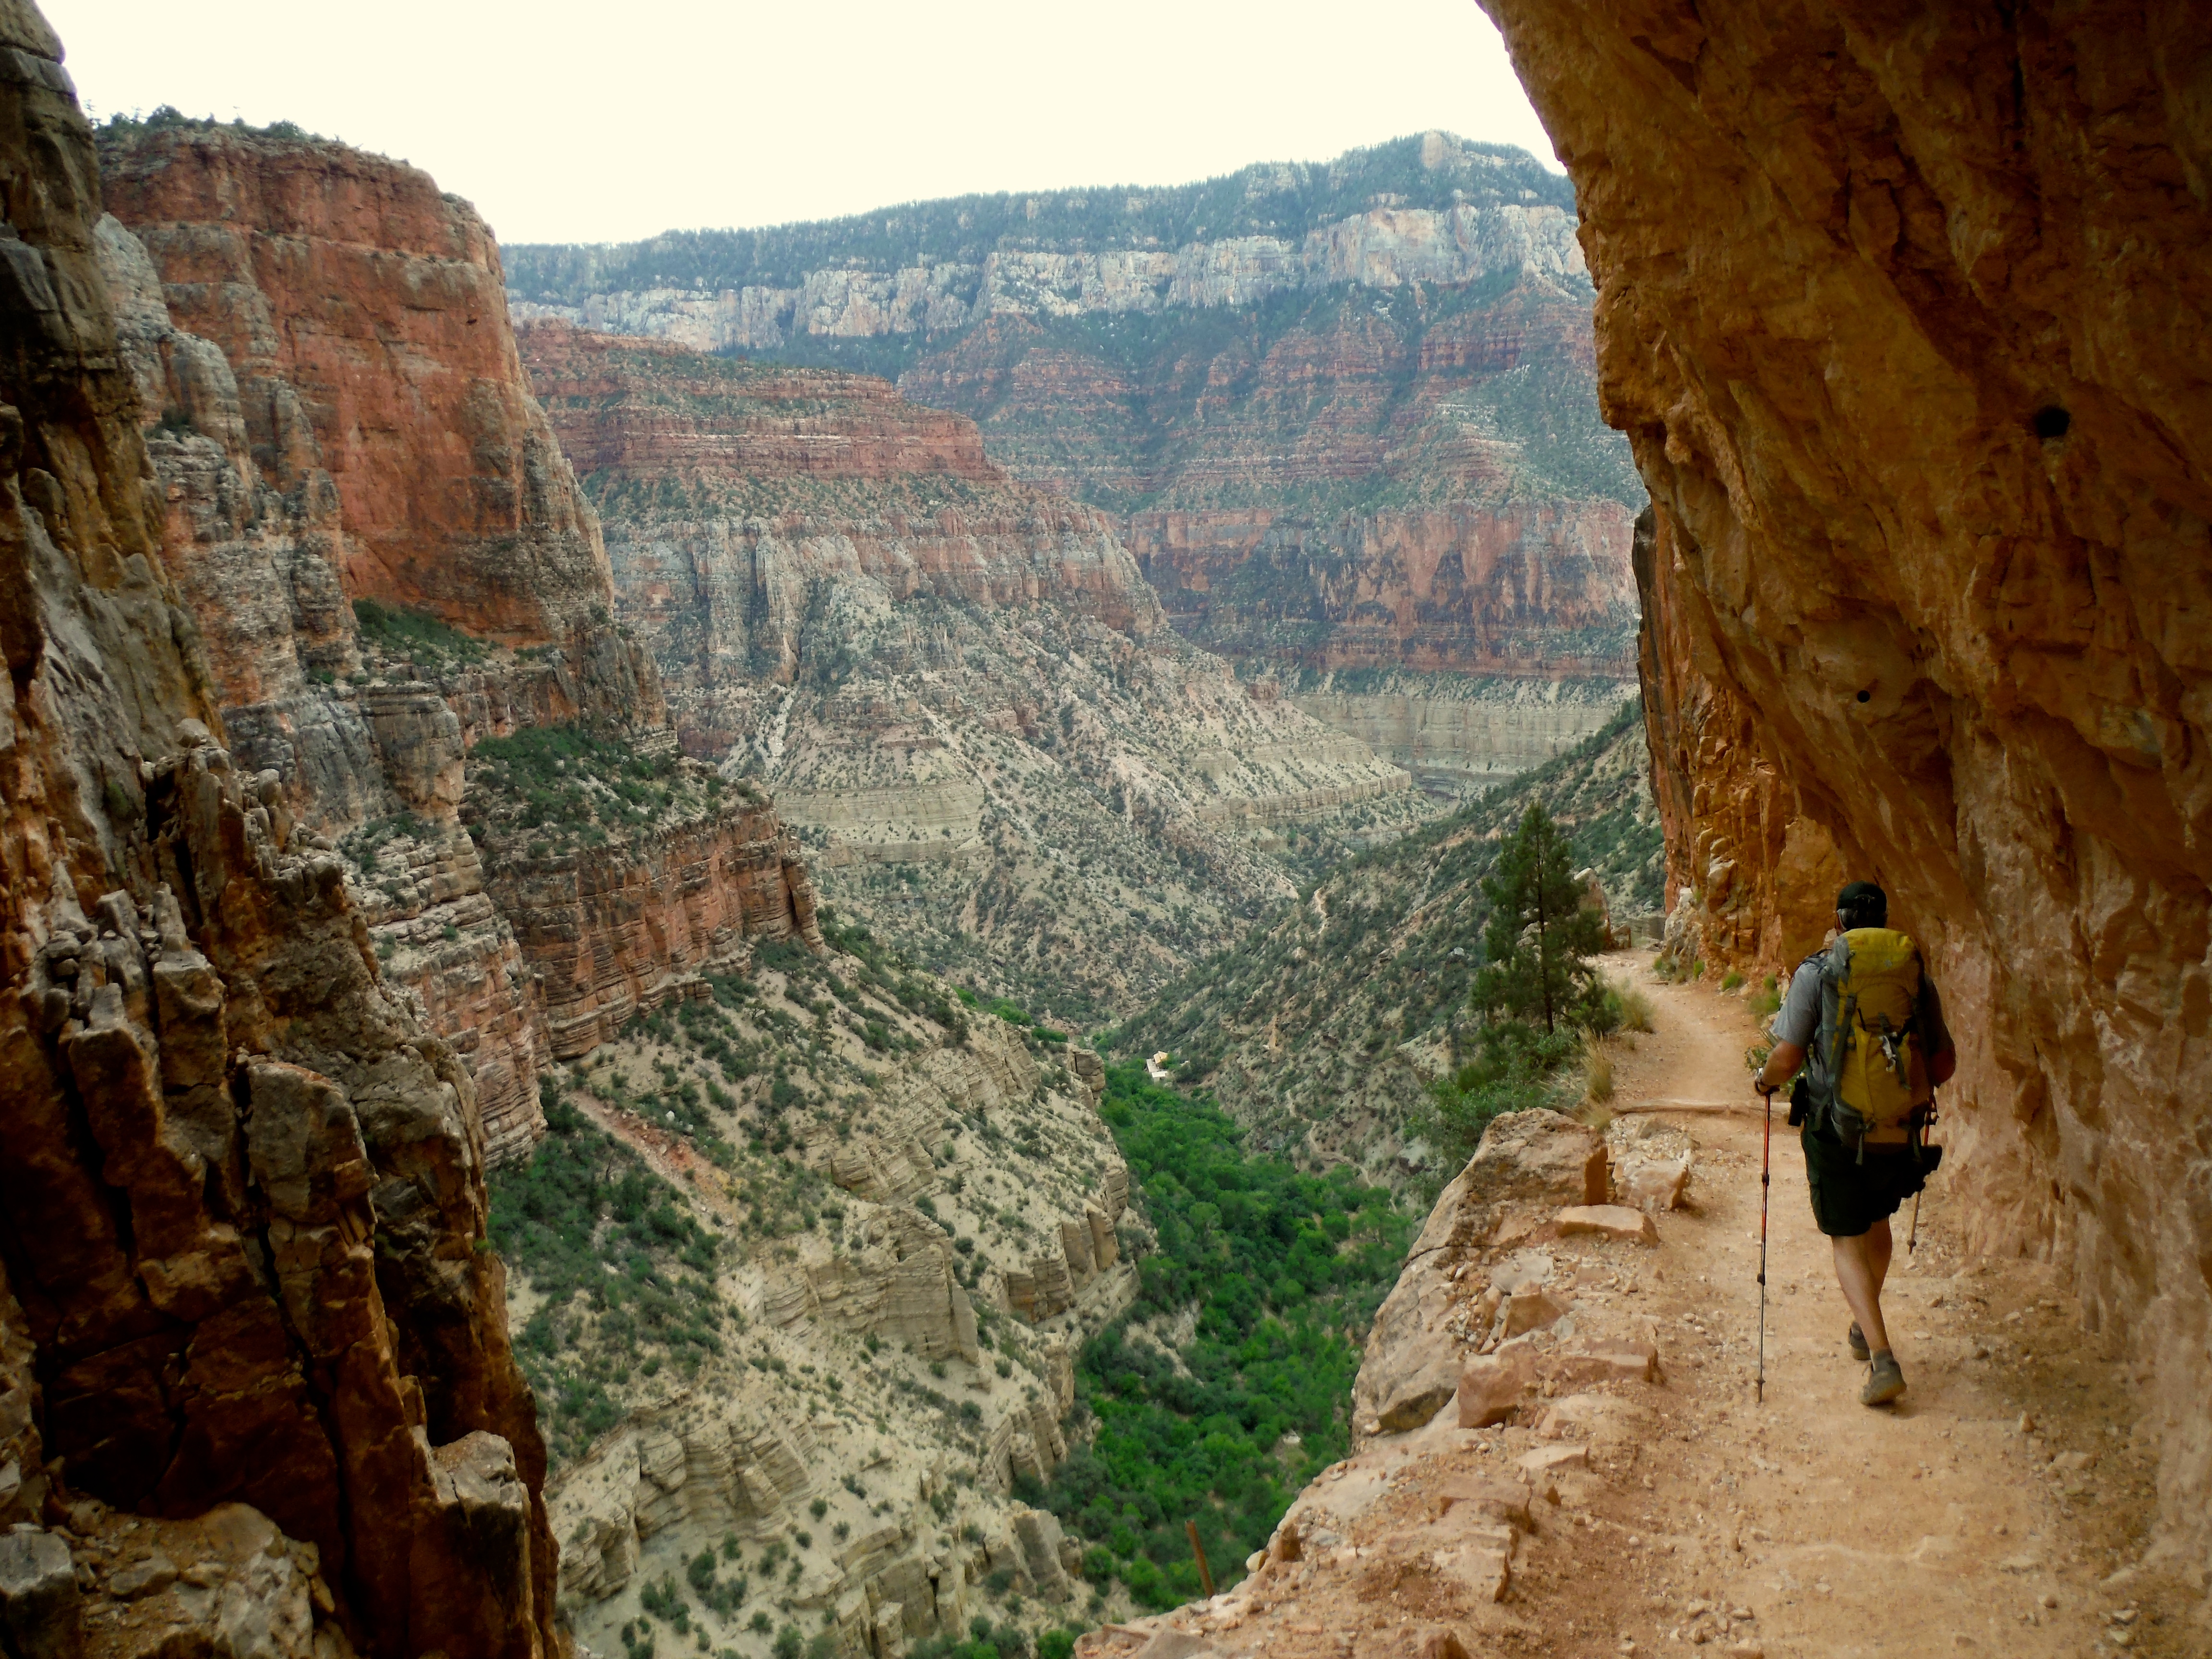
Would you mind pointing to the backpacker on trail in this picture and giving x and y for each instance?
(1862, 1031)
(1867, 1069)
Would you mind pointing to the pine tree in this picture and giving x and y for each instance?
(1539, 939)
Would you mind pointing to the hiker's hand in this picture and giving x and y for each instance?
(1764, 1089)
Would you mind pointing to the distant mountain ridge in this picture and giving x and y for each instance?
(1433, 172)
(1343, 416)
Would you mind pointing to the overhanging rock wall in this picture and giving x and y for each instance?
(1904, 310)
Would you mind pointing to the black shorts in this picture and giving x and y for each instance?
(1849, 1196)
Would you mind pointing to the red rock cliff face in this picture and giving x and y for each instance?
(241, 1211)
(329, 393)
(609, 933)
(729, 487)
(1905, 311)
(1534, 590)
(1380, 483)
(364, 312)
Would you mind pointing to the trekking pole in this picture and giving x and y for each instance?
(1913, 1239)
(1766, 1165)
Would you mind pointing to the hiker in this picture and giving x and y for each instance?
(1861, 1029)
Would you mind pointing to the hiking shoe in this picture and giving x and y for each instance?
(1856, 1338)
(1885, 1381)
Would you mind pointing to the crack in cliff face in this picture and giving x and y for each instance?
(1904, 318)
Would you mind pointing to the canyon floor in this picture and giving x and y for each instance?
(2001, 1507)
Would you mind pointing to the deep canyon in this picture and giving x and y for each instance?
(1342, 416)
(592, 839)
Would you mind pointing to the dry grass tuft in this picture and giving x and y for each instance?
(1635, 1006)
(1597, 1068)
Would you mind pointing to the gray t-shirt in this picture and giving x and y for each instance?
(1799, 1021)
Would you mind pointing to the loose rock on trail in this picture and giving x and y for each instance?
(2000, 1507)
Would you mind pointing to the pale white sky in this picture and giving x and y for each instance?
(605, 123)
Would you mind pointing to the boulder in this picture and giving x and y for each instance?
(1538, 1155)
(1532, 1309)
(38, 1603)
(1485, 1566)
(1607, 1221)
(1550, 1460)
(1490, 1387)
(1172, 1644)
(1618, 1360)
(1651, 1162)
(1575, 1414)
(1652, 1188)
(1415, 1399)
(1493, 1498)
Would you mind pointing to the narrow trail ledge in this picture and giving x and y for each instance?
(2000, 1508)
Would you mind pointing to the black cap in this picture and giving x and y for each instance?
(1864, 904)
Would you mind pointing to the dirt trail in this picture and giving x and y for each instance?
(1988, 1511)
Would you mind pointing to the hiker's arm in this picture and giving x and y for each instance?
(1795, 1023)
(1781, 1064)
(1940, 1067)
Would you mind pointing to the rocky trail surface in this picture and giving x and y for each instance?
(1999, 1508)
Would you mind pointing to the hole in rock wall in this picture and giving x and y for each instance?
(2050, 421)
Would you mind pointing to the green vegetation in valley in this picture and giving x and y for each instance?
(1316, 1013)
(1283, 1271)
(625, 1272)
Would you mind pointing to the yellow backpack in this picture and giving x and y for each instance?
(1871, 1035)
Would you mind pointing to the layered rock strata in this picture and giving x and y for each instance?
(1415, 485)
(609, 930)
(1542, 591)
(244, 1211)
(953, 682)
(1431, 209)
(1460, 734)
(1903, 316)
(330, 396)
(856, 1451)
(363, 313)
(1342, 416)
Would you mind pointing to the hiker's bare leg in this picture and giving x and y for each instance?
(1860, 1264)
(1881, 1246)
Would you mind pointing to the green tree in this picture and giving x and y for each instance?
(1539, 939)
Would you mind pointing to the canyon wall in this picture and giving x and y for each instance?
(1342, 416)
(247, 1290)
(959, 686)
(1459, 734)
(330, 393)
(611, 930)
(903, 1365)
(1432, 210)
(363, 313)
(1904, 313)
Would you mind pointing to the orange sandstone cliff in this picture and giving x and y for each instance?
(1904, 310)
(247, 1289)
(364, 314)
